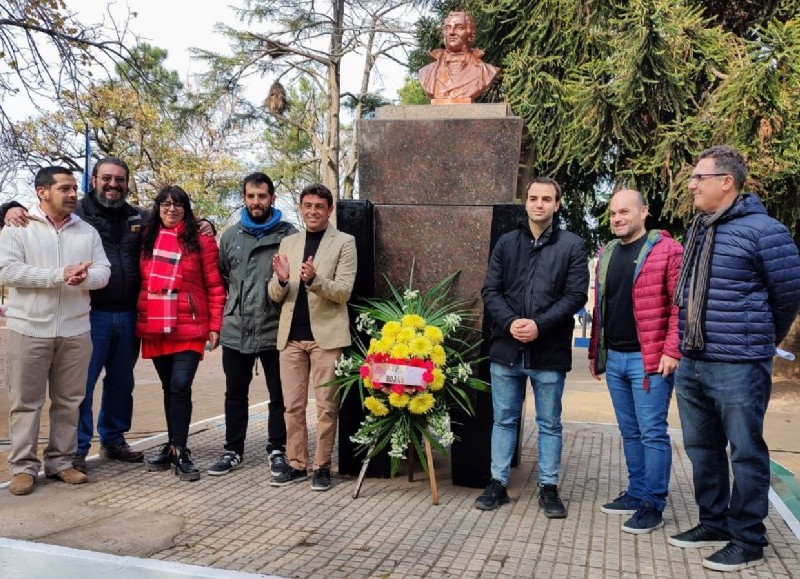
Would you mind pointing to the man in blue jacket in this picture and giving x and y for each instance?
(537, 280)
(738, 293)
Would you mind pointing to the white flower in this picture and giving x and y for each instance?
(451, 321)
(366, 324)
(463, 372)
(410, 294)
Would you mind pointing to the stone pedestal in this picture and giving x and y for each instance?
(435, 175)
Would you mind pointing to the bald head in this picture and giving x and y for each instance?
(627, 213)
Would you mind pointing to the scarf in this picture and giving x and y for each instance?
(698, 265)
(259, 230)
(164, 281)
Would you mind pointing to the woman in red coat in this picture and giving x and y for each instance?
(180, 309)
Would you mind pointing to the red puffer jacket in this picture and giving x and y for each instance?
(201, 296)
(653, 288)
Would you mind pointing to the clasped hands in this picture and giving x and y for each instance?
(524, 330)
(280, 265)
(77, 274)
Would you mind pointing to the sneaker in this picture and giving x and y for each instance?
(227, 462)
(288, 477)
(278, 464)
(699, 536)
(21, 484)
(122, 452)
(550, 502)
(624, 504)
(321, 480)
(492, 497)
(645, 520)
(734, 557)
(69, 476)
(79, 463)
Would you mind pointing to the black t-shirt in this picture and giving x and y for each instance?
(301, 321)
(620, 325)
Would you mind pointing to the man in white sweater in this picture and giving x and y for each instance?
(50, 267)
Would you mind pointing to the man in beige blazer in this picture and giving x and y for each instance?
(313, 276)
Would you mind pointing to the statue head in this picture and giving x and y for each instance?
(458, 32)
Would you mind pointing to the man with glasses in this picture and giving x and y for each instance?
(115, 347)
(738, 294)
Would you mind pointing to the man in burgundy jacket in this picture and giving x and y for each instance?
(635, 342)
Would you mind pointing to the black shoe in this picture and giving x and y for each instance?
(734, 557)
(321, 480)
(79, 462)
(291, 475)
(645, 520)
(699, 536)
(494, 496)
(624, 504)
(227, 462)
(161, 461)
(278, 464)
(550, 503)
(182, 465)
(122, 452)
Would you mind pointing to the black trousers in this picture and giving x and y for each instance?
(238, 369)
(176, 372)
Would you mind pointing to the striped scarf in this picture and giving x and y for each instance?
(164, 281)
(699, 267)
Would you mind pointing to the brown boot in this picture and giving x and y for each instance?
(21, 484)
(70, 476)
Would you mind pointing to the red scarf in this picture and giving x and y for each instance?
(164, 281)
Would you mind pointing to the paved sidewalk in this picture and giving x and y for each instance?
(238, 522)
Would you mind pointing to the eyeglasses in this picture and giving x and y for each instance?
(170, 205)
(697, 177)
(110, 178)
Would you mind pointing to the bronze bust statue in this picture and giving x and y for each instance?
(457, 75)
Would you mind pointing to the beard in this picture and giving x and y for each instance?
(110, 203)
(265, 215)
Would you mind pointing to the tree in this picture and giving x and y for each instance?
(627, 93)
(163, 138)
(289, 40)
(45, 50)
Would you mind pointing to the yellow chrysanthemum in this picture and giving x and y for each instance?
(390, 329)
(367, 382)
(414, 321)
(373, 346)
(400, 351)
(438, 380)
(438, 356)
(421, 403)
(420, 346)
(434, 334)
(399, 400)
(406, 335)
(375, 406)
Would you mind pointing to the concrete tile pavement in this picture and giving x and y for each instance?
(239, 522)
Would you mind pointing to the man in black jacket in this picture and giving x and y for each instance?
(537, 280)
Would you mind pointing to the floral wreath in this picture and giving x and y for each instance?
(417, 366)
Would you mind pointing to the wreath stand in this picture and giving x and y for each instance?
(411, 464)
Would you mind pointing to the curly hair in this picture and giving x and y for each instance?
(189, 238)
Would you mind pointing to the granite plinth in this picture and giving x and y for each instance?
(439, 161)
(438, 240)
(446, 111)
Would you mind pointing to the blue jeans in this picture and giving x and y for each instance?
(723, 403)
(642, 418)
(508, 389)
(115, 347)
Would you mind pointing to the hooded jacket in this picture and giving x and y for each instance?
(545, 280)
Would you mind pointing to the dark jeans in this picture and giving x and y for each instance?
(238, 369)
(115, 348)
(176, 372)
(721, 403)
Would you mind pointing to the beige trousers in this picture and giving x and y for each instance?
(32, 363)
(305, 364)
